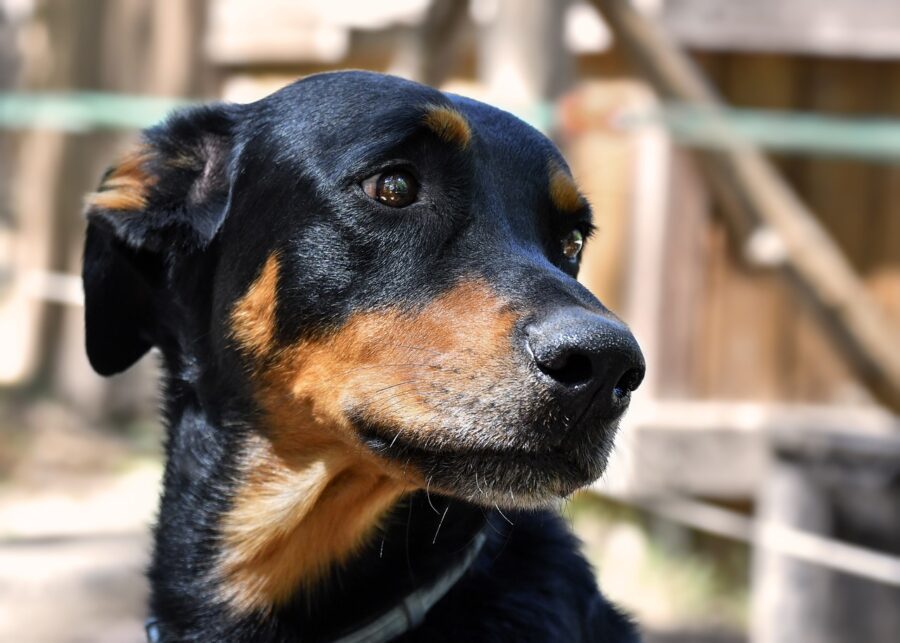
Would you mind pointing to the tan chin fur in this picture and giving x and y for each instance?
(311, 492)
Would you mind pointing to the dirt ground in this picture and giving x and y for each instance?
(75, 508)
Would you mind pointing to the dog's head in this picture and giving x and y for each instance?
(383, 267)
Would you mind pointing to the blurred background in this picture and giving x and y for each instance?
(743, 161)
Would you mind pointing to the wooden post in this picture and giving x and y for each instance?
(133, 46)
(522, 57)
(840, 484)
(438, 41)
(791, 597)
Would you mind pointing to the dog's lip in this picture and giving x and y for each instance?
(389, 442)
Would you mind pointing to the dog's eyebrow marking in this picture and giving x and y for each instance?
(253, 316)
(564, 194)
(126, 185)
(449, 124)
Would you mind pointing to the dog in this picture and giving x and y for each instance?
(378, 369)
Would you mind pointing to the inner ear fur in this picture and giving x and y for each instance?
(163, 201)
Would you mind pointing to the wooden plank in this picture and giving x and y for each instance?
(865, 564)
(840, 192)
(757, 305)
(286, 32)
(684, 338)
(864, 28)
(883, 243)
(719, 449)
(590, 142)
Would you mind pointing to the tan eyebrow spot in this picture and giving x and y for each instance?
(563, 192)
(448, 124)
(126, 186)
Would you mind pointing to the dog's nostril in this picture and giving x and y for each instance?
(570, 369)
(629, 381)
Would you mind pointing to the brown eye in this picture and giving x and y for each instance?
(572, 244)
(396, 188)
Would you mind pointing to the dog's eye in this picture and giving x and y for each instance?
(572, 244)
(396, 188)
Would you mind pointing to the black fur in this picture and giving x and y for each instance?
(231, 184)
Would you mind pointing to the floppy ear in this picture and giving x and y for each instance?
(164, 200)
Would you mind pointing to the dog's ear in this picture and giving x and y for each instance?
(162, 202)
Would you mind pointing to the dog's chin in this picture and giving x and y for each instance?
(528, 477)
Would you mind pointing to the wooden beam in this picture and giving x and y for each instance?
(768, 216)
(438, 41)
(719, 449)
(800, 544)
(845, 28)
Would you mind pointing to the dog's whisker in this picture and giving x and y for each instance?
(398, 400)
(384, 366)
(392, 386)
(394, 441)
(419, 348)
(440, 523)
(428, 495)
(497, 507)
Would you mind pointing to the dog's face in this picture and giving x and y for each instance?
(384, 268)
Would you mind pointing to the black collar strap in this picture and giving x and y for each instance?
(411, 611)
(401, 618)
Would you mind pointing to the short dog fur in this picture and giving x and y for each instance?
(352, 285)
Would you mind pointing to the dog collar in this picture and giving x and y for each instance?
(407, 614)
(411, 610)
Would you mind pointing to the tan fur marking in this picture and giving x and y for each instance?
(563, 192)
(253, 317)
(125, 188)
(296, 516)
(312, 493)
(448, 124)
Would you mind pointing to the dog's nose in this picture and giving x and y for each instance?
(590, 358)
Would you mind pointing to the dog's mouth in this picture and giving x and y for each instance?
(526, 475)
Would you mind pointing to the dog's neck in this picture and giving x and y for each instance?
(288, 540)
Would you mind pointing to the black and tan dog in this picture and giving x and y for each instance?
(378, 366)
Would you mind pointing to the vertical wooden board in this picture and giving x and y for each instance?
(115, 46)
(608, 193)
(840, 192)
(713, 65)
(883, 241)
(686, 285)
(748, 350)
(745, 348)
(769, 81)
(601, 165)
(714, 331)
(884, 233)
